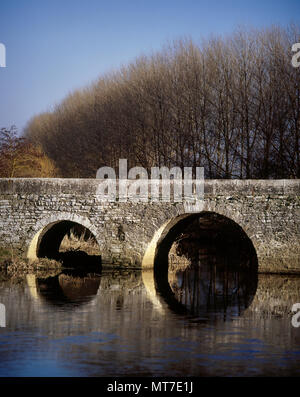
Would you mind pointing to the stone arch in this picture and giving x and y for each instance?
(162, 239)
(234, 214)
(44, 225)
(149, 255)
(155, 261)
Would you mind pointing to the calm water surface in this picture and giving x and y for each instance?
(116, 324)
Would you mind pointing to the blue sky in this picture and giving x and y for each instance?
(56, 46)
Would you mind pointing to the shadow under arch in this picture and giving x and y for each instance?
(47, 239)
(212, 228)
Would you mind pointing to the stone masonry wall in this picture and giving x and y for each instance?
(267, 210)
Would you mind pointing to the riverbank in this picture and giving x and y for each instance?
(12, 263)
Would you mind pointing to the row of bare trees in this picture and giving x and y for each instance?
(231, 105)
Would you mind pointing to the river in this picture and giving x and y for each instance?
(118, 323)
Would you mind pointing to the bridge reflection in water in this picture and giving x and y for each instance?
(212, 290)
(69, 288)
(206, 267)
(209, 289)
(104, 324)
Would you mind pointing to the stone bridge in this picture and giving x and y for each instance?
(35, 214)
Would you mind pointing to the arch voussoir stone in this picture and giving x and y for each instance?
(42, 224)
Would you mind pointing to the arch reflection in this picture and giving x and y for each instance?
(208, 290)
(69, 288)
(207, 269)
